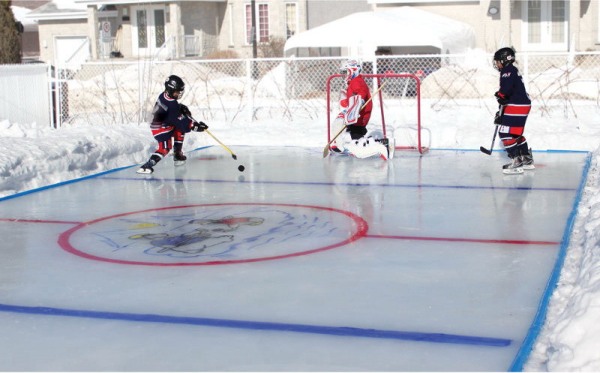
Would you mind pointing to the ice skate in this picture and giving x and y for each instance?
(145, 169)
(391, 146)
(384, 152)
(340, 145)
(334, 149)
(527, 160)
(515, 167)
(387, 152)
(179, 158)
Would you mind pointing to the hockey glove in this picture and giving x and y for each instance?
(501, 98)
(498, 118)
(184, 110)
(199, 126)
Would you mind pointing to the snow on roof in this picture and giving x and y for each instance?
(20, 14)
(59, 9)
(403, 26)
(69, 4)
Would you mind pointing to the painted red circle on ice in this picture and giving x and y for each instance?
(213, 234)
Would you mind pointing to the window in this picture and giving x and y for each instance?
(262, 23)
(142, 29)
(148, 29)
(159, 27)
(231, 23)
(598, 40)
(559, 15)
(546, 25)
(291, 20)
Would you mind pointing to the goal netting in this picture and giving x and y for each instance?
(396, 107)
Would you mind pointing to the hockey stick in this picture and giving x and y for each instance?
(486, 151)
(326, 149)
(217, 140)
(220, 143)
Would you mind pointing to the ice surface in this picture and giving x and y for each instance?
(431, 263)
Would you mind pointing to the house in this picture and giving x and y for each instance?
(62, 28)
(75, 30)
(527, 25)
(531, 26)
(72, 30)
(30, 46)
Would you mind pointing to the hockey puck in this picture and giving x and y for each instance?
(241, 168)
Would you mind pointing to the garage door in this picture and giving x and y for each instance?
(71, 51)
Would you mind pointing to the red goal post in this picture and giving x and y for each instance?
(397, 87)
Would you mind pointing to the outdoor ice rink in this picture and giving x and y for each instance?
(424, 263)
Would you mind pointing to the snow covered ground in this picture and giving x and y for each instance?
(36, 156)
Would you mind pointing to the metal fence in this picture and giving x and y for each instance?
(293, 89)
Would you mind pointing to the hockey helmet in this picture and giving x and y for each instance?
(505, 56)
(352, 69)
(173, 84)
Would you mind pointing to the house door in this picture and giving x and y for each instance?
(546, 25)
(148, 29)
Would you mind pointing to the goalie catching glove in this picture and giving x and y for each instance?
(351, 111)
(199, 126)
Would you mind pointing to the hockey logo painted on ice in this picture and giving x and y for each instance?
(213, 234)
(208, 238)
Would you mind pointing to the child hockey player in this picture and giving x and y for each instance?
(514, 109)
(355, 115)
(170, 122)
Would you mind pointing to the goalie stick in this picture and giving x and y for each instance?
(486, 151)
(326, 149)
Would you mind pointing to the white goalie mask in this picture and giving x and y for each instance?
(352, 69)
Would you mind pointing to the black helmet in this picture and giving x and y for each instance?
(506, 56)
(174, 83)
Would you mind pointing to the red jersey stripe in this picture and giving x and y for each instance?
(517, 109)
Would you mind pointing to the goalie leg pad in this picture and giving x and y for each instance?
(336, 127)
(368, 147)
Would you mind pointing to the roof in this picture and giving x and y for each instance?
(29, 4)
(136, 2)
(77, 9)
(58, 10)
(20, 14)
(403, 26)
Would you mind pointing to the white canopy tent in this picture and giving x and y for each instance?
(359, 34)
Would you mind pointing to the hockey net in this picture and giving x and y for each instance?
(396, 107)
